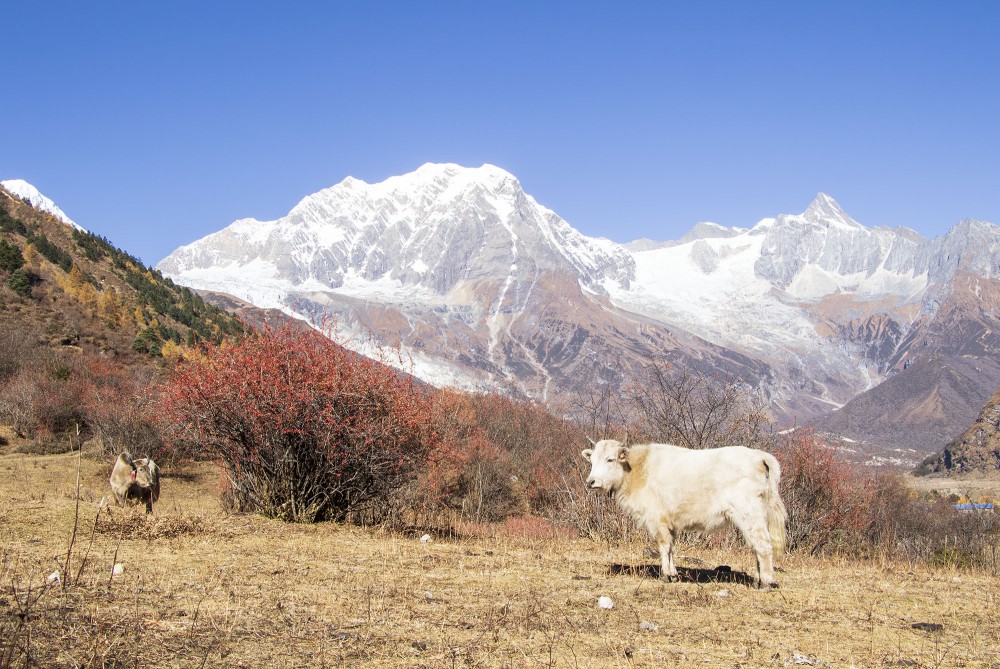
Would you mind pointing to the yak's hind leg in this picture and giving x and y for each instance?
(752, 524)
(665, 539)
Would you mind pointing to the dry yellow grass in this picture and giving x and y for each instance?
(199, 588)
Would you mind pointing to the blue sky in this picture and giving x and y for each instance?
(155, 124)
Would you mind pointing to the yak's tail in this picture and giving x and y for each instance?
(776, 514)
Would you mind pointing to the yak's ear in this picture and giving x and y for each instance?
(586, 453)
(623, 454)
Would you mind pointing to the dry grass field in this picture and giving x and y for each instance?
(199, 588)
(973, 487)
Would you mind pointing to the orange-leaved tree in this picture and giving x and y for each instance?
(304, 429)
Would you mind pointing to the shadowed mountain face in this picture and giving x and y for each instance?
(941, 374)
(880, 335)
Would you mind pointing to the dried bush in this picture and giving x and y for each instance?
(43, 400)
(825, 497)
(903, 526)
(120, 405)
(134, 523)
(485, 489)
(594, 514)
(696, 411)
(304, 429)
(498, 457)
(17, 402)
(836, 507)
(17, 349)
(59, 403)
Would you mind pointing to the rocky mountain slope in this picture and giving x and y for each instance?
(975, 451)
(486, 288)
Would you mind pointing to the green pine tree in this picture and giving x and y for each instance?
(11, 259)
(20, 283)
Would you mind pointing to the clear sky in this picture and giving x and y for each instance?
(156, 123)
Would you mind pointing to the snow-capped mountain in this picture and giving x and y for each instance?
(485, 287)
(415, 237)
(26, 191)
(468, 243)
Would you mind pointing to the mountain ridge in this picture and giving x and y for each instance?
(80, 293)
(34, 197)
(815, 307)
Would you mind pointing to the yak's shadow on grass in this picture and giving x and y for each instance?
(721, 574)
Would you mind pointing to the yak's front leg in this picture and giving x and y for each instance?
(665, 539)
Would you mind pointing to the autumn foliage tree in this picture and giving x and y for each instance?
(304, 429)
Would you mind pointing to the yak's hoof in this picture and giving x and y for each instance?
(767, 587)
(671, 578)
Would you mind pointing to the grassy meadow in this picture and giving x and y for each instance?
(200, 588)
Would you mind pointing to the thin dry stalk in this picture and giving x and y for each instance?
(67, 577)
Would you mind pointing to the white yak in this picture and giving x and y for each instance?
(668, 489)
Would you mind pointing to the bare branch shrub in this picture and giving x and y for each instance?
(836, 507)
(902, 525)
(826, 499)
(598, 410)
(120, 407)
(693, 410)
(17, 350)
(498, 457)
(17, 402)
(43, 400)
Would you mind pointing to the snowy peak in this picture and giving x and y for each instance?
(429, 185)
(441, 179)
(709, 230)
(973, 246)
(429, 231)
(487, 288)
(824, 210)
(26, 191)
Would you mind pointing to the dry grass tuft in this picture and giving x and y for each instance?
(135, 523)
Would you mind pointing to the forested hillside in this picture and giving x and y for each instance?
(65, 288)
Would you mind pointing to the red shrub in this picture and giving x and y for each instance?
(305, 429)
(827, 499)
(120, 406)
(499, 456)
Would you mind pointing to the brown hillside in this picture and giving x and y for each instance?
(945, 369)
